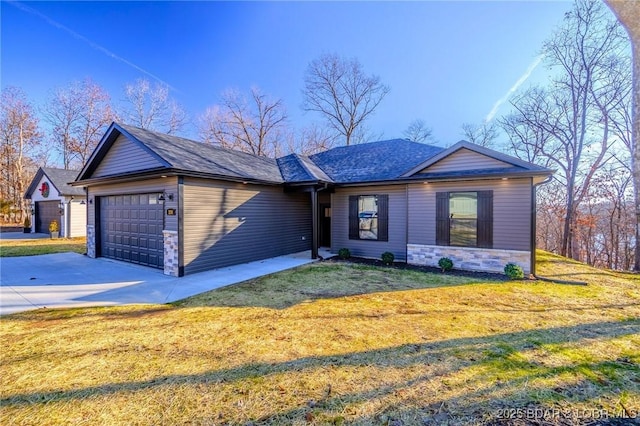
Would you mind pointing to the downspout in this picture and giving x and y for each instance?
(406, 224)
(314, 223)
(533, 240)
(533, 223)
(67, 220)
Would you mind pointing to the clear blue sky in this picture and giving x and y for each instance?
(445, 62)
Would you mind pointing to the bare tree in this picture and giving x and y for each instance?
(571, 120)
(151, 107)
(78, 115)
(63, 112)
(95, 116)
(339, 89)
(311, 140)
(256, 124)
(19, 136)
(418, 131)
(481, 134)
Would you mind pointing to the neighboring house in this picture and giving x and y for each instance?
(186, 207)
(52, 198)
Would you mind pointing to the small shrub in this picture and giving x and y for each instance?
(445, 263)
(27, 222)
(513, 271)
(387, 258)
(53, 226)
(344, 253)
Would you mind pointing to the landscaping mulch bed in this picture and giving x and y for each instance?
(407, 266)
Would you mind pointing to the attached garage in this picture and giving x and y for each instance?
(131, 228)
(183, 206)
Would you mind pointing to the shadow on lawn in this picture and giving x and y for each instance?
(426, 365)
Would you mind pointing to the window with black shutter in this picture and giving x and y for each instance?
(464, 219)
(369, 217)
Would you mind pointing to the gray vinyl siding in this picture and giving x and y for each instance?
(464, 159)
(397, 243)
(168, 185)
(511, 211)
(230, 223)
(125, 156)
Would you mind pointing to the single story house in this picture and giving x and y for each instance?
(52, 198)
(185, 207)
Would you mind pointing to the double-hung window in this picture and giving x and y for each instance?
(464, 219)
(369, 217)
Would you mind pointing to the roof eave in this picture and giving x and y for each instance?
(419, 179)
(160, 172)
(32, 185)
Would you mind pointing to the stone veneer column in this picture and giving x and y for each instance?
(468, 258)
(171, 264)
(91, 241)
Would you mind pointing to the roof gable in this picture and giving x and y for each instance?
(465, 157)
(126, 155)
(59, 178)
(128, 149)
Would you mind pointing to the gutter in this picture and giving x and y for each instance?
(159, 172)
(438, 179)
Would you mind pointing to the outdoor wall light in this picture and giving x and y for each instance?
(83, 203)
(165, 196)
(90, 200)
(33, 208)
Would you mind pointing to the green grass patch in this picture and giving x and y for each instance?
(333, 343)
(13, 248)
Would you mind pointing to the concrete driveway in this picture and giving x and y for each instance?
(74, 280)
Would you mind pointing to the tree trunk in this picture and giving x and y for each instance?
(628, 13)
(635, 159)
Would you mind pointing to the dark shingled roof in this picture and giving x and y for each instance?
(389, 160)
(60, 178)
(299, 168)
(374, 161)
(185, 154)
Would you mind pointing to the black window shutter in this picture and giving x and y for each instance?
(442, 218)
(354, 224)
(383, 218)
(485, 219)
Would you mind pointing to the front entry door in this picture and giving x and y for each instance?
(325, 225)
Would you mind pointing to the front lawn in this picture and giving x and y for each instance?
(12, 248)
(334, 343)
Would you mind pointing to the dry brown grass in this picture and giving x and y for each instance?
(334, 344)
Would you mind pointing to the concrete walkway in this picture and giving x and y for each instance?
(74, 280)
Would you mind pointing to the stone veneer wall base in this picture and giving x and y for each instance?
(469, 258)
(91, 241)
(171, 263)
